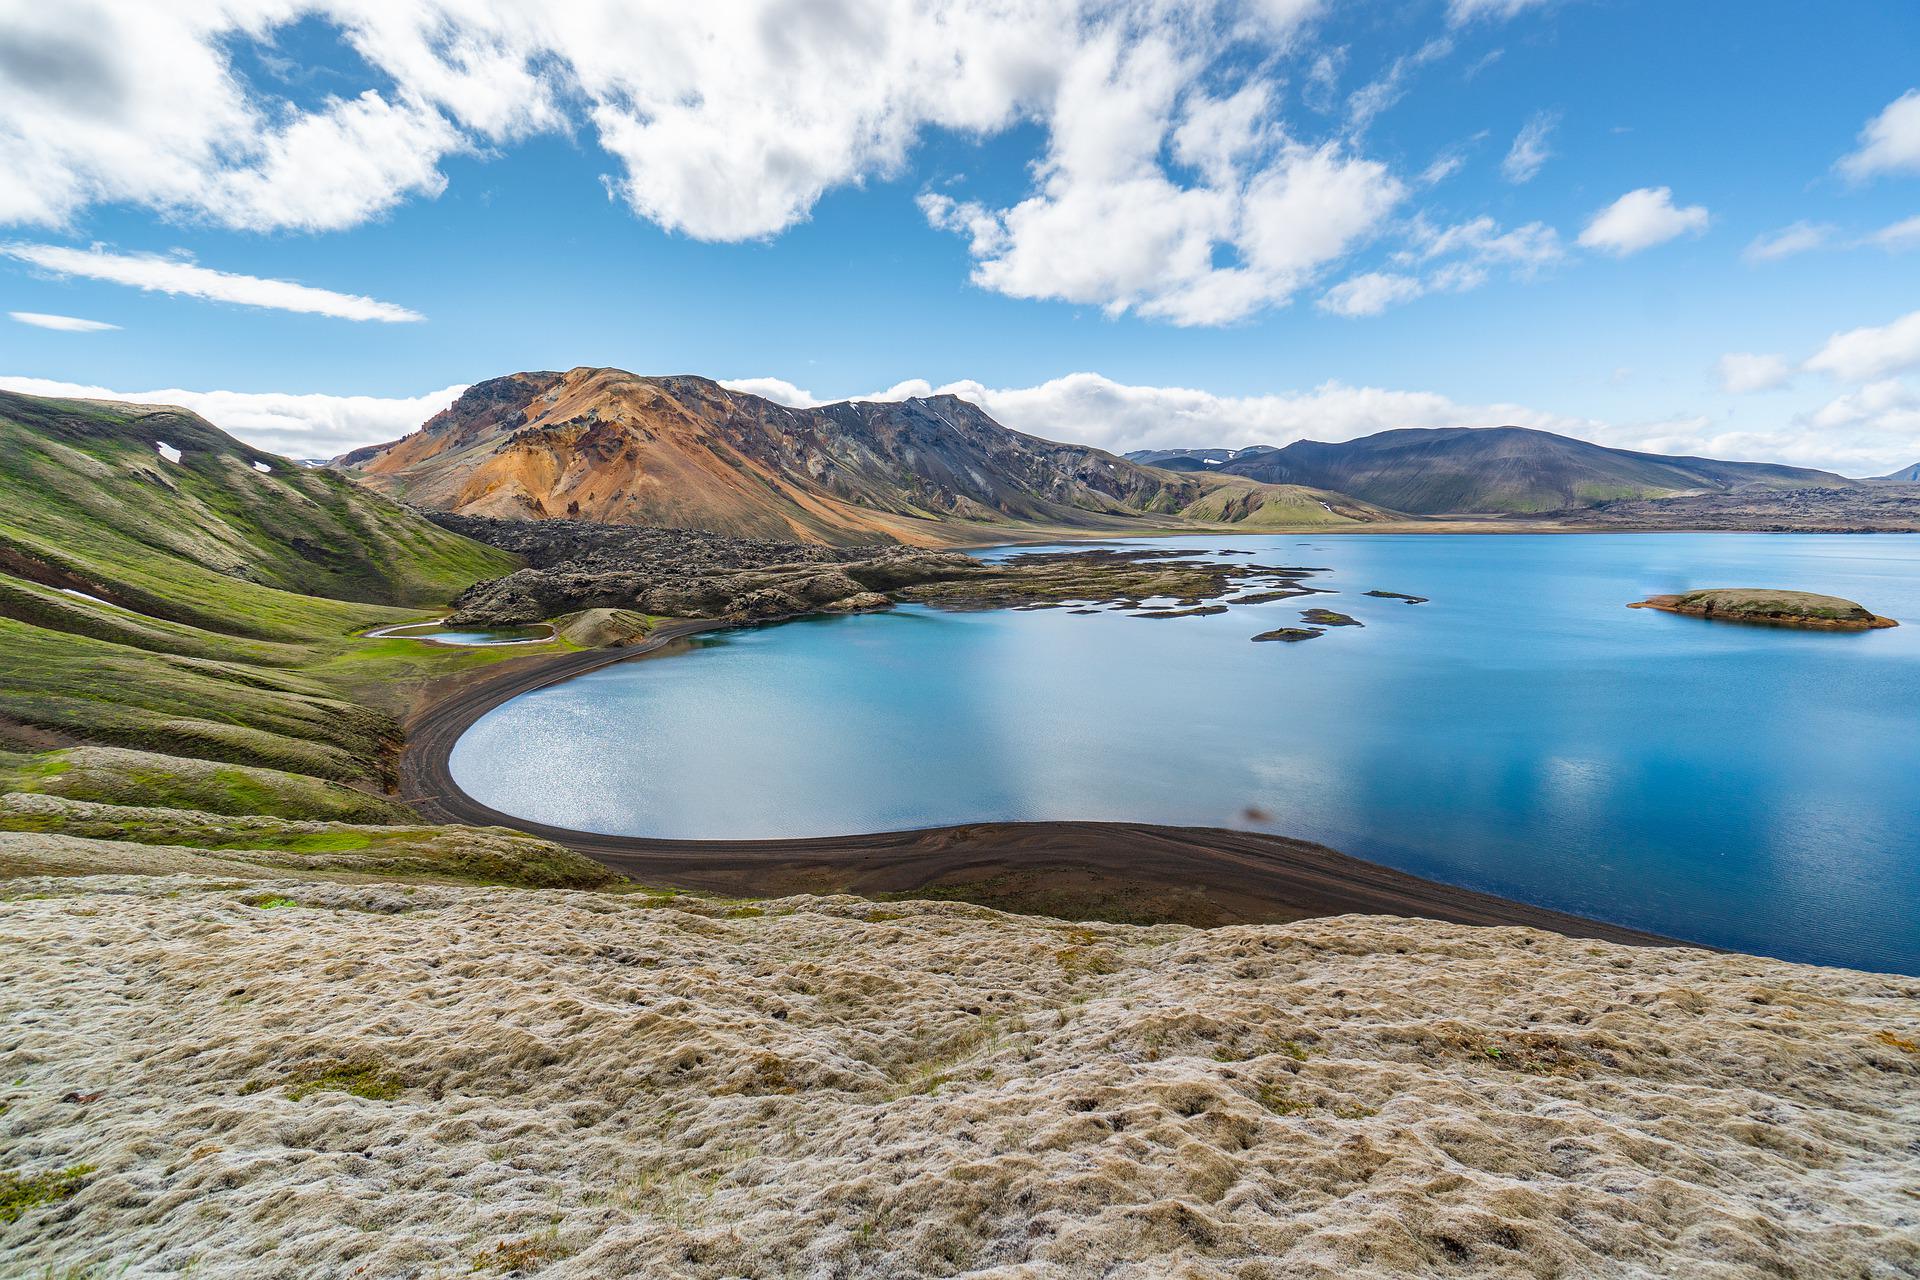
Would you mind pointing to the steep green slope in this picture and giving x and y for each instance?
(203, 602)
(88, 502)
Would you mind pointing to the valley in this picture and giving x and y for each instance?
(209, 728)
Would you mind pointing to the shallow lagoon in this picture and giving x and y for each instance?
(1523, 733)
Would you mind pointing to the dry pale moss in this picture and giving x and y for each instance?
(305, 1079)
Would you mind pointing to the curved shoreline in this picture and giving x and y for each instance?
(1102, 870)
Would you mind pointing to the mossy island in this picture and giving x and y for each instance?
(1771, 608)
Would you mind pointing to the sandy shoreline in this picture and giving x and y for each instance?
(1133, 872)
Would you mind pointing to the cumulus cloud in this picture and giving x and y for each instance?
(1640, 220)
(1168, 184)
(177, 276)
(63, 324)
(1115, 232)
(1742, 372)
(722, 121)
(1870, 352)
(1872, 431)
(1530, 151)
(1873, 403)
(1890, 143)
(293, 425)
(1801, 237)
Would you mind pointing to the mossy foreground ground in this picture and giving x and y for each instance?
(292, 1078)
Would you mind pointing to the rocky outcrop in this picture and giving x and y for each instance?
(682, 573)
(291, 1078)
(760, 594)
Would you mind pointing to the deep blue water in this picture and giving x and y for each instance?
(1522, 733)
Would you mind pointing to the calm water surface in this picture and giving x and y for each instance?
(1523, 733)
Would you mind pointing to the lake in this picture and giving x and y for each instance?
(1522, 733)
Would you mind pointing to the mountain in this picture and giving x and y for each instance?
(1906, 475)
(607, 445)
(1501, 470)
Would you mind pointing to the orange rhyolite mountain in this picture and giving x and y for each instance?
(607, 445)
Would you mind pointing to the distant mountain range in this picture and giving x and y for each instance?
(607, 445)
(1906, 475)
(1485, 470)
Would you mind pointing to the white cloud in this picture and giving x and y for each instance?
(1169, 184)
(1801, 237)
(1871, 403)
(1526, 248)
(1861, 355)
(1640, 220)
(1464, 11)
(1087, 408)
(293, 425)
(1111, 228)
(1374, 98)
(1530, 150)
(1444, 166)
(1890, 143)
(1899, 236)
(1371, 293)
(1453, 259)
(172, 275)
(64, 324)
(1742, 372)
(1877, 432)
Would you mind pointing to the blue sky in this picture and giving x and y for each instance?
(1128, 224)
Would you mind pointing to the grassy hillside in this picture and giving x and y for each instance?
(1253, 506)
(206, 606)
(88, 502)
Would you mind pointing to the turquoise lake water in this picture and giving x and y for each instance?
(1522, 733)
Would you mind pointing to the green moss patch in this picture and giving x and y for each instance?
(20, 1192)
(361, 1077)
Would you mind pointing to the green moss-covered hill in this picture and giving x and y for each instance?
(206, 606)
(183, 682)
(89, 502)
(203, 602)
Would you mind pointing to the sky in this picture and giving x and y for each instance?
(1679, 227)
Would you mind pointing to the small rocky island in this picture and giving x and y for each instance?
(1770, 608)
